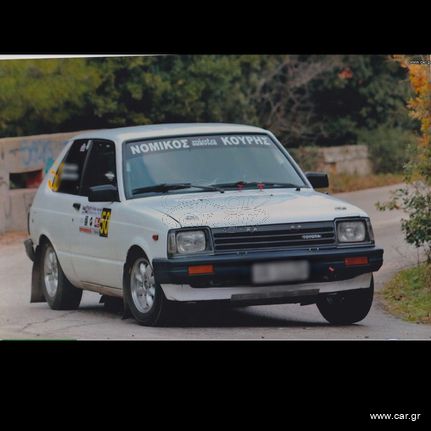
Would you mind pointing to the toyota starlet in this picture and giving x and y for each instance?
(167, 214)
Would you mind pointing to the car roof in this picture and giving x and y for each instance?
(159, 130)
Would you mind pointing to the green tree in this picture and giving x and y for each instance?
(335, 100)
(37, 96)
(144, 90)
(362, 93)
(388, 147)
(312, 100)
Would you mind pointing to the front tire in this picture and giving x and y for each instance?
(145, 298)
(59, 293)
(346, 308)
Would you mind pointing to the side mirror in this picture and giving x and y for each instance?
(103, 193)
(318, 180)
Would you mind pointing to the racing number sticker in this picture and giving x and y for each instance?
(104, 222)
(95, 220)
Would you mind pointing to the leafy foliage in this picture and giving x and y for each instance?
(37, 96)
(306, 157)
(388, 147)
(144, 90)
(306, 100)
(415, 199)
(344, 96)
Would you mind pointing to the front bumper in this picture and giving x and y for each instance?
(235, 269)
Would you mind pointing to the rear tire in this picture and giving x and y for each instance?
(145, 299)
(59, 293)
(346, 308)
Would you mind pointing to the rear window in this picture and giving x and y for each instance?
(67, 178)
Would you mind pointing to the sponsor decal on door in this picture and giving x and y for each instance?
(94, 220)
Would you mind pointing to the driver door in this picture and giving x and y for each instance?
(96, 260)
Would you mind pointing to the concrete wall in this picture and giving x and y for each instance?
(19, 155)
(17, 205)
(349, 159)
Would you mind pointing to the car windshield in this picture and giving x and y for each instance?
(225, 160)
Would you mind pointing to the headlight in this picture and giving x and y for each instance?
(188, 241)
(351, 231)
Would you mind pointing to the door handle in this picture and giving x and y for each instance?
(77, 206)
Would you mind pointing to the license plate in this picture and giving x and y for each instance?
(274, 272)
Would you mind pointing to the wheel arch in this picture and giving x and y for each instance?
(43, 239)
(134, 250)
(36, 285)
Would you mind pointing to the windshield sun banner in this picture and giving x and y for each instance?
(135, 149)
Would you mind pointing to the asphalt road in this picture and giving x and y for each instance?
(20, 319)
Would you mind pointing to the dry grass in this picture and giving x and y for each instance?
(339, 183)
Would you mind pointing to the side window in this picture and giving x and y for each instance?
(67, 179)
(100, 167)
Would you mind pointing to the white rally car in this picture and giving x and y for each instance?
(165, 214)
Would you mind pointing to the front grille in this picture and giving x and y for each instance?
(279, 236)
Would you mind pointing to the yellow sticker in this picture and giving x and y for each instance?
(54, 184)
(104, 222)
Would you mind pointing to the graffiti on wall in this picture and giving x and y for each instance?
(35, 154)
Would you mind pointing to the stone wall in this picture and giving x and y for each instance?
(349, 159)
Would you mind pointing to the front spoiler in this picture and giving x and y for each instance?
(234, 269)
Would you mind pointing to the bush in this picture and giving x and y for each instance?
(388, 147)
(415, 200)
(306, 157)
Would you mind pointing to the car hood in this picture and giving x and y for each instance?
(249, 207)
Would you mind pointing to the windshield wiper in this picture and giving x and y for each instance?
(165, 187)
(256, 183)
